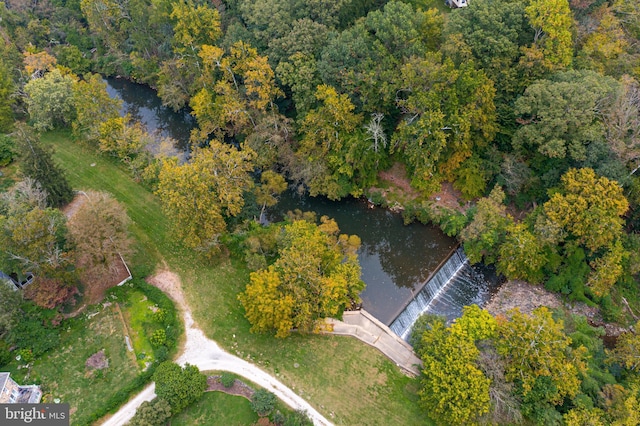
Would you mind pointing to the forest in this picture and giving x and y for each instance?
(528, 110)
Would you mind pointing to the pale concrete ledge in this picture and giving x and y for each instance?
(363, 326)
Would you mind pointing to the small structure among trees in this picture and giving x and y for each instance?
(457, 3)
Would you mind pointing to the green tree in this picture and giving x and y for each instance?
(179, 386)
(535, 346)
(6, 99)
(37, 164)
(584, 417)
(300, 72)
(553, 24)
(454, 390)
(35, 241)
(487, 231)
(199, 195)
(151, 413)
(448, 112)
(306, 38)
(588, 208)
(194, 25)
(263, 402)
(521, 255)
(561, 116)
(627, 350)
(271, 185)
(125, 140)
(494, 32)
(93, 107)
(50, 100)
(108, 19)
(327, 135)
(316, 275)
(238, 87)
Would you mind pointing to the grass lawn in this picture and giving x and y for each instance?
(217, 409)
(63, 374)
(346, 380)
(137, 313)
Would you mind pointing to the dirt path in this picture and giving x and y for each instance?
(204, 353)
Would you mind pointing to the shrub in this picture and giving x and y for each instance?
(263, 402)
(26, 355)
(179, 386)
(161, 353)
(6, 150)
(158, 338)
(298, 418)
(151, 413)
(160, 316)
(227, 379)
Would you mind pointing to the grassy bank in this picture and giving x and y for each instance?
(346, 380)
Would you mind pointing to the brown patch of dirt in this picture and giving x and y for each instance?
(169, 282)
(400, 185)
(397, 176)
(98, 281)
(449, 197)
(70, 209)
(239, 388)
(97, 361)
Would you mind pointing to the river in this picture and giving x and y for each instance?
(396, 259)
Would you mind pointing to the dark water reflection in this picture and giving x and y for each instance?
(395, 258)
(143, 104)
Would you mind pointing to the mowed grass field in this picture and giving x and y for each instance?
(217, 409)
(346, 380)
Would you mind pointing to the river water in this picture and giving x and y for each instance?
(396, 259)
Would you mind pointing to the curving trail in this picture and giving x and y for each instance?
(204, 353)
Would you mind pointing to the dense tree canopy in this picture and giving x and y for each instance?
(529, 108)
(536, 348)
(455, 390)
(50, 100)
(199, 195)
(316, 275)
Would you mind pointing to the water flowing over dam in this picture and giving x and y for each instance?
(455, 284)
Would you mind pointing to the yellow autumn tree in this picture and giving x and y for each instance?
(589, 208)
(455, 390)
(316, 275)
(553, 24)
(200, 195)
(238, 86)
(536, 347)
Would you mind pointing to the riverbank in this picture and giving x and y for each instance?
(527, 297)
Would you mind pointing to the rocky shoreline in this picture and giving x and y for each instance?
(527, 297)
